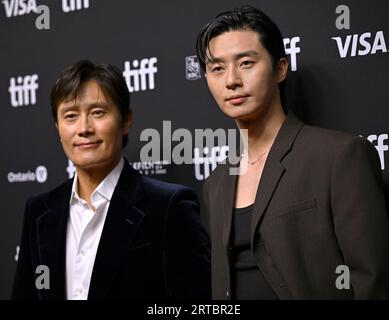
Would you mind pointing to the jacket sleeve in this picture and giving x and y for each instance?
(187, 254)
(24, 283)
(360, 218)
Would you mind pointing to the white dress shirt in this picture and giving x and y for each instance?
(84, 232)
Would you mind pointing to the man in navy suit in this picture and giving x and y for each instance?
(108, 233)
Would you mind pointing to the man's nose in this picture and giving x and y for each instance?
(85, 125)
(233, 79)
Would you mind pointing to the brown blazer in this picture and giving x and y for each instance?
(319, 204)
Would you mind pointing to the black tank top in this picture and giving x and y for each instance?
(248, 282)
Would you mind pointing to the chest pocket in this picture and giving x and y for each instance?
(305, 206)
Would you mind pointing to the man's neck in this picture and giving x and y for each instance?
(262, 130)
(89, 178)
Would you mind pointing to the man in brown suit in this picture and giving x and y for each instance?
(307, 218)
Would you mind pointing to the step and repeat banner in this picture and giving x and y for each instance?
(338, 78)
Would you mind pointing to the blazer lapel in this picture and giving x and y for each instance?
(273, 170)
(227, 202)
(121, 224)
(51, 235)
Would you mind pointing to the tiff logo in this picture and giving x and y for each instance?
(22, 90)
(291, 49)
(73, 5)
(204, 164)
(381, 146)
(15, 8)
(139, 76)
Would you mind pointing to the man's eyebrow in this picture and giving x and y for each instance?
(212, 60)
(68, 107)
(98, 104)
(240, 55)
(248, 53)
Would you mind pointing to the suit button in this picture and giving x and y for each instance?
(227, 293)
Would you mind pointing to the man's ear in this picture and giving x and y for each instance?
(127, 122)
(282, 69)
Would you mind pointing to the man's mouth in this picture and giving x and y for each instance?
(87, 144)
(237, 99)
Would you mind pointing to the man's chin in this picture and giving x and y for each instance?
(236, 113)
(85, 164)
(93, 164)
(239, 116)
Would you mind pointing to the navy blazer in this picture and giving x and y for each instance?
(152, 245)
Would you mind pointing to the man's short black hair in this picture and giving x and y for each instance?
(71, 81)
(243, 18)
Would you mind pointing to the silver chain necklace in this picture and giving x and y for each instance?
(255, 161)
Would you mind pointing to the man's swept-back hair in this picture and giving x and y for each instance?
(71, 81)
(242, 18)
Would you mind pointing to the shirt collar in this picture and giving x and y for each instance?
(105, 188)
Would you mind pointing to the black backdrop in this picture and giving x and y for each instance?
(345, 93)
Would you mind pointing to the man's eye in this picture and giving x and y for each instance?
(216, 69)
(247, 63)
(70, 116)
(98, 112)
